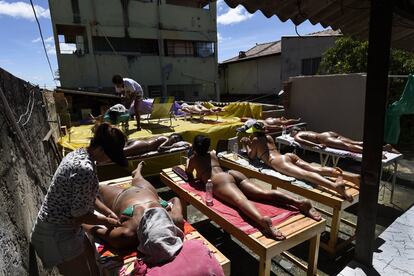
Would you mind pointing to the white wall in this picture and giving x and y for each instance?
(329, 103)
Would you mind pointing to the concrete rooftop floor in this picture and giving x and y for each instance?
(244, 262)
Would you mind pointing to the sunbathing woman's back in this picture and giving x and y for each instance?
(206, 166)
(137, 147)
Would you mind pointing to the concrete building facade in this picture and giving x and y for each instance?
(168, 46)
(262, 69)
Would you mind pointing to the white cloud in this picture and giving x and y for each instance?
(233, 16)
(220, 5)
(221, 38)
(22, 10)
(47, 40)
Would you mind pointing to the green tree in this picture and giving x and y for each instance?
(350, 56)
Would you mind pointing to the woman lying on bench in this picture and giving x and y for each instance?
(270, 124)
(160, 143)
(235, 189)
(331, 139)
(263, 147)
(146, 220)
(199, 109)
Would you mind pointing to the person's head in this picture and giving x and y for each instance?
(111, 141)
(113, 116)
(175, 137)
(201, 145)
(159, 238)
(118, 81)
(257, 129)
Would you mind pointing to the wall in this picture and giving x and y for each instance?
(294, 49)
(329, 103)
(255, 76)
(22, 189)
(94, 71)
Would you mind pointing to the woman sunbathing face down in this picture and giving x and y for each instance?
(263, 147)
(145, 220)
(331, 139)
(199, 109)
(270, 124)
(160, 144)
(235, 189)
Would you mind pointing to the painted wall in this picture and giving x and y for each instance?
(294, 49)
(329, 103)
(256, 76)
(146, 20)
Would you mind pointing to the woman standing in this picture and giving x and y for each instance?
(57, 236)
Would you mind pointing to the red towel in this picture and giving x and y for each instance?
(277, 214)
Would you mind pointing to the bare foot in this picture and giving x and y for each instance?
(306, 208)
(390, 148)
(340, 188)
(270, 231)
(138, 169)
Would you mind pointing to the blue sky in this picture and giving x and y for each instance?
(21, 51)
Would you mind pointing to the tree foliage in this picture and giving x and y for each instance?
(350, 56)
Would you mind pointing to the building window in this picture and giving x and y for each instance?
(189, 48)
(154, 91)
(72, 39)
(125, 45)
(189, 3)
(310, 66)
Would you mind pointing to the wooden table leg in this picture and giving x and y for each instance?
(184, 204)
(264, 266)
(333, 237)
(313, 255)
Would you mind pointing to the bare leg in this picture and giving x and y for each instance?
(139, 181)
(340, 144)
(325, 171)
(256, 193)
(287, 166)
(176, 212)
(226, 189)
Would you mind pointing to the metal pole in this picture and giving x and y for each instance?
(380, 27)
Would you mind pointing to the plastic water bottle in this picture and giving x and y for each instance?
(284, 131)
(209, 193)
(235, 151)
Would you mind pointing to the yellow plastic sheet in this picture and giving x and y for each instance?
(244, 109)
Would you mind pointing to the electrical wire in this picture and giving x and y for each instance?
(31, 96)
(43, 42)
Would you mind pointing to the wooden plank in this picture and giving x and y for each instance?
(265, 248)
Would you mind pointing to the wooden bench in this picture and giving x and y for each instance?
(297, 229)
(223, 260)
(323, 196)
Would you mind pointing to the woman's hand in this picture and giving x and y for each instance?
(245, 140)
(112, 215)
(111, 223)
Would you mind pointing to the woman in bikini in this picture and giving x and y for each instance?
(331, 139)
(236, 189)
(160, 143)
(263, 147)
(130, 205)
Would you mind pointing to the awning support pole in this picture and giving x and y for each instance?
(380, 28)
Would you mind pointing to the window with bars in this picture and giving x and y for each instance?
(189, 48)
(310, 66)
(125, 45)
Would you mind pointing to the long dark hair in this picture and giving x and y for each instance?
(201, 145)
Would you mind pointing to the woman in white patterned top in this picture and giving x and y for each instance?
(57, 236)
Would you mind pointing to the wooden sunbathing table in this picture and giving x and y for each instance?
(323, 196)
(297, 229)
(223, 260)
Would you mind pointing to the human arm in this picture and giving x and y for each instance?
(176, 212)
(104, 210)
(301, 139)
(118, 238)
(190, 169)
(250, 147)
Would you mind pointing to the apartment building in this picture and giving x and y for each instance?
(168, 46)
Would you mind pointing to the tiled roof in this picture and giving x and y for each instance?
(351, 16)
(272, 48)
